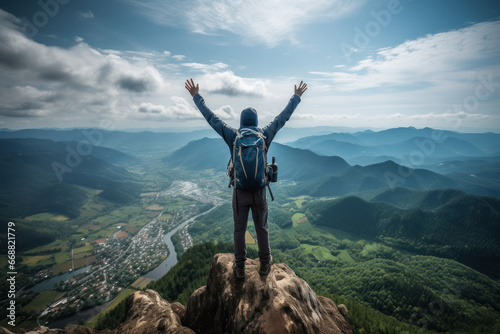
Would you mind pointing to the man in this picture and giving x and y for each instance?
(244, 200)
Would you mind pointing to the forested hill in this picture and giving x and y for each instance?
(193, 269)
(407, 198)
(275, 303)
(130, 142)
(43, 176)
(318, 175)
(295, 164)
(466, 228)
(390, 175)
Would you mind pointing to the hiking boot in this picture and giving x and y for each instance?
(265, 267)
(239, 271)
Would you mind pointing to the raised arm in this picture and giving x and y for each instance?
(224, 130)
(279, 121)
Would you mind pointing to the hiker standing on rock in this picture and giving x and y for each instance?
(248, 170)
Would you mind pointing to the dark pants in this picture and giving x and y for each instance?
(257, 201)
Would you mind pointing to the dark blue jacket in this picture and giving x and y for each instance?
(228, 133)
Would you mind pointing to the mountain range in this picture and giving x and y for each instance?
(372, 224)
(213, 153)
(128, 142)
(44, 176)
(408, 146)
(331, 175)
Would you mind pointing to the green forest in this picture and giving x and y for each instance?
(192, 271)
(410, 279)
(423, 258)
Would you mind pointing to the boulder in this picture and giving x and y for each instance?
(280, 302)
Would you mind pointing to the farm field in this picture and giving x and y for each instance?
(43, 300)
(321, 253)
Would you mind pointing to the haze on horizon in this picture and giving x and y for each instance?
(368, 64)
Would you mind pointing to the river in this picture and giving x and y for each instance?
(154, 274)
(171, 260)
(50, 283)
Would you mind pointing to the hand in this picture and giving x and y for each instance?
(302, 88)
(193, 90)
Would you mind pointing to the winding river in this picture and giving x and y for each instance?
(171, 259)
(154, 274)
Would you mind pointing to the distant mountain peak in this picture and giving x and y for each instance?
(388, 165)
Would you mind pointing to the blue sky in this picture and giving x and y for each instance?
(368, 64)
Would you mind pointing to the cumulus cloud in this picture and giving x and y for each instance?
(227, 83)
(433, 60)
(179, 57)
(180, 109)
(24, 109)
(82, 83)
(38, 80)
(88, 15)
(216, 79)
(27, 101)
(226, 113)
(256, 21)
(206, 68)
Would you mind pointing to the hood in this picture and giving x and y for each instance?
(249, 117)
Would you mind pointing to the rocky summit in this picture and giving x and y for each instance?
(277, 303)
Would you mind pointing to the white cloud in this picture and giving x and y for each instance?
(325, 117)
(401, 117)
(256, 21)
(227, 83)
(434, 60)
(88, 15)
(78, 39)
(180, 109)
(226, 113)
(206, 68)
(27, 101)
(449, 115)
(78, 82)
(179, 57)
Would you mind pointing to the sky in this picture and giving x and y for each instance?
(376, 64)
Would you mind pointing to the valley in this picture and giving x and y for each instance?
(110, 248)
(404, 248)
(372, 272)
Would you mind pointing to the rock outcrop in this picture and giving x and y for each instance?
(147, 313)
(277, 303)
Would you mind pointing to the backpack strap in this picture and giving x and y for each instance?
(261, 135)
(238, 135)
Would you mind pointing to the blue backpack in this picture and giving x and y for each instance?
(249, 160)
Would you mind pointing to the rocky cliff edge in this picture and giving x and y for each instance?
(277, 303)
